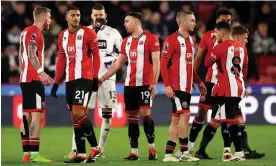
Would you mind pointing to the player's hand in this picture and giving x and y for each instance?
(245, 94)
(45, 78)
(54, 90)
(100, 81)
(169, 92)
(152, 89)
(99, 22)
(202, 88)
(95, 84)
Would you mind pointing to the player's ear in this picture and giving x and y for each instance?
(105, 18)
(66, 16)
(43, 17)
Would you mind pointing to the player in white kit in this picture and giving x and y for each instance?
(108, 38)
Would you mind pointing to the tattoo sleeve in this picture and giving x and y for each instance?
(32, 49)
(32, 129)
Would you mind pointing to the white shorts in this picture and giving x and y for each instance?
(106, 96)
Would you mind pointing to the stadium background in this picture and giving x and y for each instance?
(159, 18)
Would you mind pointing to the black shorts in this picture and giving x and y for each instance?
(180, 103)
(207, 101)
(33, 94)
(226, 109)
(78, 93)
(137, 97)
(239, 113)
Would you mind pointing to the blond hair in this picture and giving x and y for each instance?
(40, 10)
(180, 16)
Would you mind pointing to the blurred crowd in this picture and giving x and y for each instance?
(159, 18)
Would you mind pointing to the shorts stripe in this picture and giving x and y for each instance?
(85, 101)
(177, 104)
(175, 114)
(183, 111)
(79, 107)
(38, 101)
(33, 110)
(205, 106)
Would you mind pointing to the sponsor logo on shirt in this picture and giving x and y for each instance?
(102, 44)
(33, 36)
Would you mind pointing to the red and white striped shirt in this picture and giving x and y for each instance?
(30, 36)
(138, 51)
(179, 51)
(75, 54)
(207, 43)
(231, 58)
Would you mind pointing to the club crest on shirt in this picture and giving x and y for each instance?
(141, 42)
(79, 37)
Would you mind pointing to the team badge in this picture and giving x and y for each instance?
(79, 37)
(33, 36)
(202, 98)
(141, 42)
(185, 104)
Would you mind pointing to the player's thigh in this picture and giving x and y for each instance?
(230, 108)
(206, 102)
(131, 98)
(216, 110)
(33, 94)
(180, 103)
(145, 100)
(239, 116)
(82, 94)
(107, 97)
(70, 92)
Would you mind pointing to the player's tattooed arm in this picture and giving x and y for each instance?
(32, 49)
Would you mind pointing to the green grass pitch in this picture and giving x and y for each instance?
(56, 142)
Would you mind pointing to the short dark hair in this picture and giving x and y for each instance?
(98, 6)
(136, 15)
(223, 11)
(223, 25)
(72, 7)
(239, 30)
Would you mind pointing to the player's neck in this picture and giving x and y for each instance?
(38, 25)
(227, 38)
(184, 33)
(137, 33)
(73, 29)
